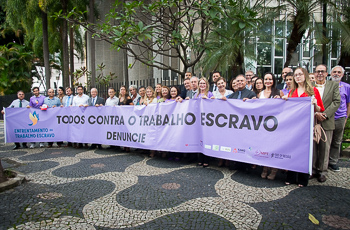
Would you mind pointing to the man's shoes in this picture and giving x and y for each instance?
(322, 178)
(334, 168)
(16, 147)
(41, 145)
(31, 146)
(49, 146)
(99, 147)
(92, 146)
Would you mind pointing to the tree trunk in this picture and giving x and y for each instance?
(295, 39)
(46, 52)
(91, 47)
(65, 49)
(71, 55)
(2, 174)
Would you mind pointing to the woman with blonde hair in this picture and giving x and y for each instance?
(302, 87)
(150, 96)
(203, 90)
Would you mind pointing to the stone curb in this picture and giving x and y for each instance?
(12, 182)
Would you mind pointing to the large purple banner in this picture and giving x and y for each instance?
(269, 132)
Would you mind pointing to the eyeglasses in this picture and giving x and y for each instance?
(320, 71)
(300, 74)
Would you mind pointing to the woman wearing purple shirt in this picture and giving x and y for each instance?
(203, 91)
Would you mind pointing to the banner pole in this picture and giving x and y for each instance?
(311, 138)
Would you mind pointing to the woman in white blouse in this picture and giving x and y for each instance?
(222, 93)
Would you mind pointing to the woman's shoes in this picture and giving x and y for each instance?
(205, 165)
(264, 173)
(199, 164)
(272, 174)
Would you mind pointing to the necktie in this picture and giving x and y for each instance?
(93, 101)
(20, 103)
(239, 94)
(68, 101)
(214, 88)
(193, 93)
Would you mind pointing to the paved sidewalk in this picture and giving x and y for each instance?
(101, 189)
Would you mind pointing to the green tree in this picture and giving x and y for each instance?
(231, 40)
(16, 65)
(149, 29)
(46, 34)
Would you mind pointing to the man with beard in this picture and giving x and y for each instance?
(214, 87)
(340, 117)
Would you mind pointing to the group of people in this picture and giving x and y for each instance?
(331, 100)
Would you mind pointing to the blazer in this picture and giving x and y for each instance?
(64, 100)
(99, 100)
(331, 102)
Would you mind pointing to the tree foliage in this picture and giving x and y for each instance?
(232, 40)
(148, 30)
(16, 64)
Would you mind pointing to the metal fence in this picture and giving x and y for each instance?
(103, 89)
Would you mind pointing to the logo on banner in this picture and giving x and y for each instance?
(225, 149)
(281, 156)
(207, 146)
(259, 153)
(234, 150)
(215, 147)
(34, 118)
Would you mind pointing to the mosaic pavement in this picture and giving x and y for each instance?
(100, 189)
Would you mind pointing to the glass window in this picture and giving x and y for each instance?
(264, 54)
(278, 66)
(279, 47)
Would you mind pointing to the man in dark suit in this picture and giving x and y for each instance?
(194, 88)
(283, 84)
(329, 91)
(242, 92)
(95, 100)
(186, 88)
(214, 87)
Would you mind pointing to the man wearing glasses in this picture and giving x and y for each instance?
(329, 91)
(248, 78)
(341, 115)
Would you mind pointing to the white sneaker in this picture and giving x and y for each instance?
(41, 145)
(31, 146)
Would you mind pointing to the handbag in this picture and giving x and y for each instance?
(318, 131)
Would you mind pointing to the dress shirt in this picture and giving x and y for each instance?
(80, 100)
(36, 102)
(320, 88)
(112, 101)
(51, 102)
(344, 90)
(67, 100)
(16, 103)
